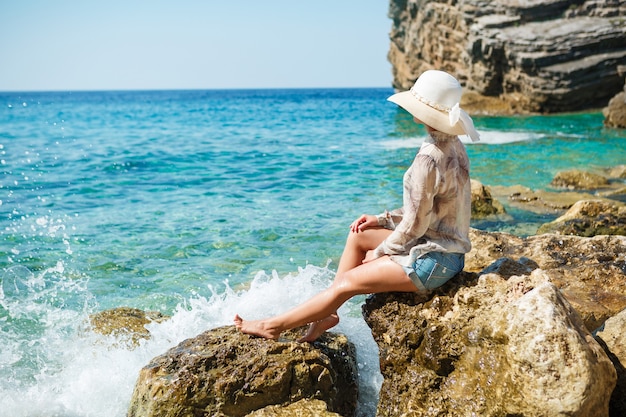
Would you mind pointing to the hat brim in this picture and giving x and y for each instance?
(432, 117)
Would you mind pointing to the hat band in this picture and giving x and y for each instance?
(428, 102)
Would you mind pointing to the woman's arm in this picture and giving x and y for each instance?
(420, 185)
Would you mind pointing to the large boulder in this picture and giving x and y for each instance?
(490, 347)
(513, 56)
(223, 372)
(588, 271)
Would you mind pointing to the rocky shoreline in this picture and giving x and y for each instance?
(541, 56)
(531, 327)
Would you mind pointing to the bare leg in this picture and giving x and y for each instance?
(357, 245)
(380, 275)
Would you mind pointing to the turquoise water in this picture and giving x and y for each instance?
(200, 204)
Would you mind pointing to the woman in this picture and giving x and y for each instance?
(417, 247)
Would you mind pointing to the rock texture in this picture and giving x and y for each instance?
(302, 408)
(590, 272)
(513, 56)
(579, 180)
(483, 204)
(611, 336)
(615, 112)
(589, 203)
(224, 373)
(125, 323)
(590, 218)
(494, 347)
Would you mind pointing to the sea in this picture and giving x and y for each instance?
(204, 204)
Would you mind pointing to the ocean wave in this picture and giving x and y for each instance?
(487, 137)
(74, 371)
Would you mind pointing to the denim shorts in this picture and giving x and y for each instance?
(434, 269)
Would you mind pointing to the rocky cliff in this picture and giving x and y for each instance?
(514, 55)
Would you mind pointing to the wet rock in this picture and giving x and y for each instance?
(579, 180)
(589, 271)
(539, 201)
(483, 204)
(590, 218)
(616, 172)
(225, 373)
(491, 347)
(125, 323)
(611, 336)
(302, 408)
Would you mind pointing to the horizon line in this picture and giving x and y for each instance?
(128, 90)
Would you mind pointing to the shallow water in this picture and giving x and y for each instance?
(200, 204)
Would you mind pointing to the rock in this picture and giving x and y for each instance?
(615, 112)
(579, 180)
(495, 347)
(513, 57)
(588, 271)
(590, 218)
(302, 408)
(125, 323)
(538, 201)
(617, 171)
(611, 337)
(483, 204)
(223, 372)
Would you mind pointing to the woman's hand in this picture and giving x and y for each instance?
(364, 222)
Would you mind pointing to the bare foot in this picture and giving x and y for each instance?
(319, 327)
(256, 328)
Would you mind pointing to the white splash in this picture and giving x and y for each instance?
(59, 368)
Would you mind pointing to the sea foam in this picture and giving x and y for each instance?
(73, 371)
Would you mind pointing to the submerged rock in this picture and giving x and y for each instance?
(576, 179)
(223, 372)
(491, 347)
(539, 201)
(125, 323)
(590, 218)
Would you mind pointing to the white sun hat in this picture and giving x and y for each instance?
(434, 100)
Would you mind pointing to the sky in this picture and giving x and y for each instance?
(72, 45)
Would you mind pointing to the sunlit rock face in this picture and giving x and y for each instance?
(488, 346)
(223, 372)
(513, 56)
